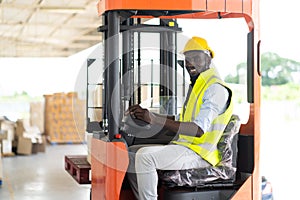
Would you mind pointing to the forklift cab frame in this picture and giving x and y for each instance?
(109, 155)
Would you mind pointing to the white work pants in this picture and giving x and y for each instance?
(168, 157)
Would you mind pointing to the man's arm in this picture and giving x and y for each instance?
(214, 103)
(187, 128)
(172, 117)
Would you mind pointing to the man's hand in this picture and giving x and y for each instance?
(140, 113)
(186, 128)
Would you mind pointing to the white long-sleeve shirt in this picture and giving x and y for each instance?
(215, 102)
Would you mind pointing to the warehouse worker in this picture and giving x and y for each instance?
(201, 123)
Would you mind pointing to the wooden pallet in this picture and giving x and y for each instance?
(78, 167)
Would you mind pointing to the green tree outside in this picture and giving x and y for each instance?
(275, 70)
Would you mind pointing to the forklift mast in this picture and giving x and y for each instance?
(123, 24)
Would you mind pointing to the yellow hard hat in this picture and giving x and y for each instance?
(198, 44)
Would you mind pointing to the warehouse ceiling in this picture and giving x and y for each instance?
(47, 28)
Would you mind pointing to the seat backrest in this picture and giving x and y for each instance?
(228, 144)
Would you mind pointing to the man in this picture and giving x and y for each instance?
(202, 120)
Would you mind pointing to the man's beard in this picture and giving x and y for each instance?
(193, 79)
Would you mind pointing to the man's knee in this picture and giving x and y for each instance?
(143, 159)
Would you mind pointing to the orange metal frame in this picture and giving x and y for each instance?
(234, 6)
(112, 170)
(109, 164)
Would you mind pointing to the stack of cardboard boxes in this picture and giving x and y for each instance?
(7, 136)
(64, 118)
(30, 139)
(20, 137)
(37, 115)
(60, 119)
(3, 135)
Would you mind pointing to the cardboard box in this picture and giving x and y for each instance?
(10, 127)
(30, 139)
(3, 134)
(7, 147)
(64, 117)
(42, 146)
(96, 97)
(28, 146)
(24, 128)
(37, 115)
(20, 129)
(95, 114)
(24, 146)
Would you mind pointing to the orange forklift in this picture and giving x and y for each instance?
(128, 79)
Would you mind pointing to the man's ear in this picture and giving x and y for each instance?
(208, 60)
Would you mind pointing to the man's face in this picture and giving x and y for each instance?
(196, 62)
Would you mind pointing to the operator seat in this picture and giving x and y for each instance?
(221, 175)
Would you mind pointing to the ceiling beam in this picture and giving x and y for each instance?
(54, 24)
(89, 38)
(44, 44)
(23, 36)
(29, 51)
(38, 5)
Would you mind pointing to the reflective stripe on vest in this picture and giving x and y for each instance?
(206, 145)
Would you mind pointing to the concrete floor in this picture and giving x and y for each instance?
(42, 176)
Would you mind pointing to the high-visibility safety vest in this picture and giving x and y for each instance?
(205, 145)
